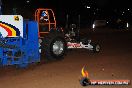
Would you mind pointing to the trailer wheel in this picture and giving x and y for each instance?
(96, 48)
(54, 45)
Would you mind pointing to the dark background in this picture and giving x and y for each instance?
(110, 10)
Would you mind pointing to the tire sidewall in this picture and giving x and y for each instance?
(64, 47)
(95, 48)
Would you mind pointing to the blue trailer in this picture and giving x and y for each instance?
(20, 43)
(19, 49)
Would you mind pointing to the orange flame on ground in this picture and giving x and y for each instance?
(84, 73)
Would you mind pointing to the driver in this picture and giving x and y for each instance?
(44, 16)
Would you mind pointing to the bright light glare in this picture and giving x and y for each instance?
(93, 25)
(127, 25)
(88, 7)
(27, 1)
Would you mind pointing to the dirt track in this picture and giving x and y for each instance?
(113, 62)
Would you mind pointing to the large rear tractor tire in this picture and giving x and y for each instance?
(54, 45)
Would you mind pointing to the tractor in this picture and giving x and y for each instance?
(24, 41)
(71, 38)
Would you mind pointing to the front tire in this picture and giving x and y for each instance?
(96, 48)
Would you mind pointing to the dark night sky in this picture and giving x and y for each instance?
(71, 7)
(113, 3)
(63, 4)
(68, 4)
